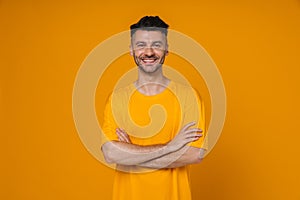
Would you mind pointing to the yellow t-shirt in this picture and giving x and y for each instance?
(153, 120)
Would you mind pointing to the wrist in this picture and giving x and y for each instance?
(169, 148)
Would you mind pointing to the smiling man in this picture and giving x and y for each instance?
(168, 140)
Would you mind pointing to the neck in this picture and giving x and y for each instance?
(151, 83)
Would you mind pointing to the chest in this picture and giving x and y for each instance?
(152, 120)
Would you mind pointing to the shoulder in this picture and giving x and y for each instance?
(123, 91)
(183, 90)
(119, 97)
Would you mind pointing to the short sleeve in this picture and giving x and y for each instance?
(195, 111)
(109, 125)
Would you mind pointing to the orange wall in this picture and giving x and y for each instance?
(254, 43)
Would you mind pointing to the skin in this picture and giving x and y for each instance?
(149, 49)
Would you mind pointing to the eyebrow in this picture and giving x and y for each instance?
(160, 42)
(140, 42)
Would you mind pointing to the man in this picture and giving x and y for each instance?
(168, 140)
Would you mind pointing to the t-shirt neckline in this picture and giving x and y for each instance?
(151, 96)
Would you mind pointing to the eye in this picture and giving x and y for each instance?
(156, 45)
(140, 45)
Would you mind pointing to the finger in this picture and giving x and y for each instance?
(124, 132)
(192, 140)
(189, 140)
(193, 135)
(124, 135)
(193, 130)
(120, 136)
(188, 125)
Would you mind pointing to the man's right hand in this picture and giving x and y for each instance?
(185, 136)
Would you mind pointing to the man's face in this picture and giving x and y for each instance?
(149, 49)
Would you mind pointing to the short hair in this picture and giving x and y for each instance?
(150, 23)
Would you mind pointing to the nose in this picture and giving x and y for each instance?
(149, 51)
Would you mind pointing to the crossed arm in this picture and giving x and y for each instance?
(175, 153)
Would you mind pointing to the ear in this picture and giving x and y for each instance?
(167, 50)
(131, 50)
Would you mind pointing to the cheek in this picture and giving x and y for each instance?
(137, 53)
(160, 53)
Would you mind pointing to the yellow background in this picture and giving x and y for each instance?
(254, 43)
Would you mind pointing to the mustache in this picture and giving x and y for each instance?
(145, 56)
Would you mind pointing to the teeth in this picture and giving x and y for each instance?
(149, 60)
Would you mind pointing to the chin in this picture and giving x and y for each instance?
(149, 69)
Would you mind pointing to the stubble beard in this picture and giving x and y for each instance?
(157, 66)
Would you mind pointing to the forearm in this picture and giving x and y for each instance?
(192, 156)
(123, 153)
(185, 156)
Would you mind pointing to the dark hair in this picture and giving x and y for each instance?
(150, 23)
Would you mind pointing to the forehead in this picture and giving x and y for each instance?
(145, 35)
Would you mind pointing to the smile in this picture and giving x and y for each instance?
(149, 60)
